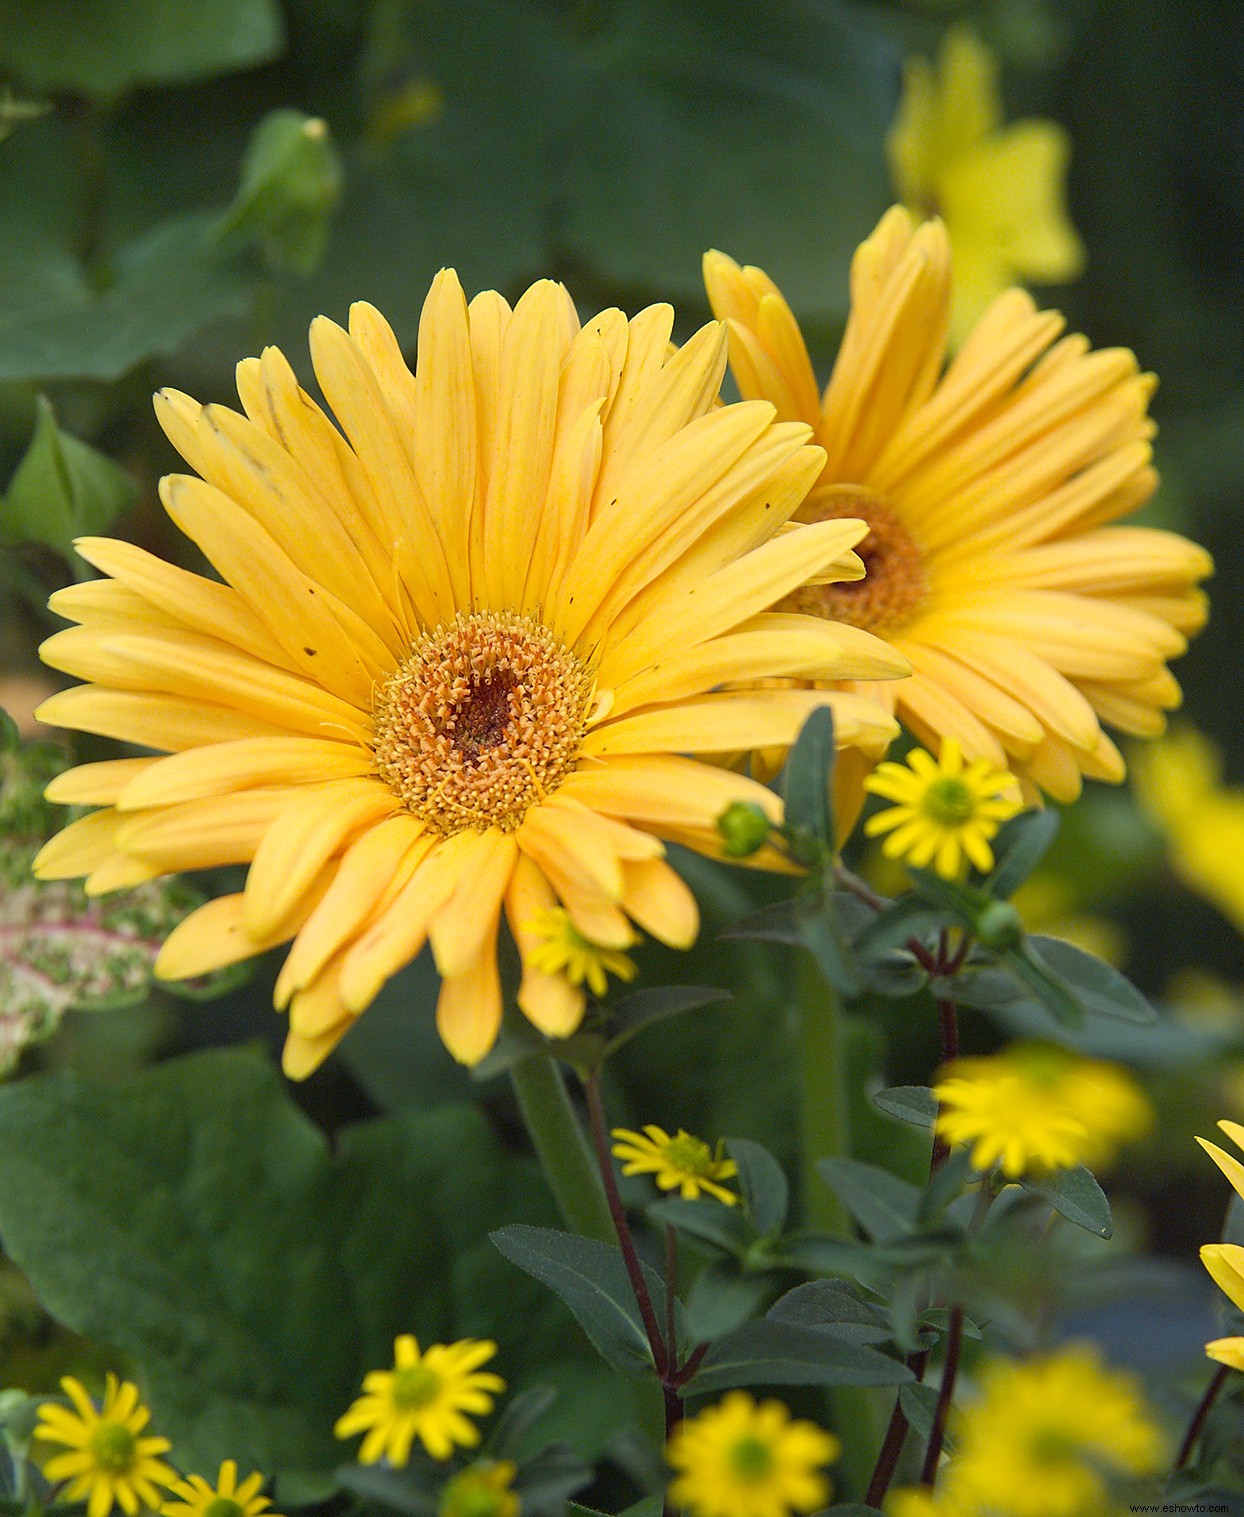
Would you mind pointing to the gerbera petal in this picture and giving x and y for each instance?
(151, 720)
(202, 834)
(220, 768)
(550, 1001)
(468, 1016)
(665, 790)
(464, 928)
(211, 937)
(95, 784)
(657, 898)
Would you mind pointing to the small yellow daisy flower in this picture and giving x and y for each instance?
(108, 1463)
(684, 1163)
(225, 1499)
(1044, 1440)
(557, 947)
(1000, 189)
(1038, 1107)
(424, 1396)
(483, 1489)
(945, 812)
(741, 1459)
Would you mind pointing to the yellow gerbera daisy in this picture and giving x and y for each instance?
(108, 1462)
(465, 640)
(430, 1396)
(682, 1162)
(1038, 1107)
(945, 813)
(741, 1459)
(225, 1499)
(1000, 190)
(989, 490)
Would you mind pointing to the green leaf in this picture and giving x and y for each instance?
(915, 1104)
(706, 1219)
(778, 922)
(721, 1300)
(1076, 1195)
(642, 1008)
(1096, 985)
(777, 1353)
(291, 182)
(411, 1490)
(962, 903)
(62, 949)
(736, 124)
(919, 1404)
(166, 284)
(884, 1206)
(1021, 844)
(806, 783)
(548, 1479)
(818, 1254)
(62, 489)
(591, 1279)
(1032, 971)
(102, 47)
(194, 1220)
(766, 1194)
(909, 917)
(823, 932)
(831, 1306)
(519, 1416)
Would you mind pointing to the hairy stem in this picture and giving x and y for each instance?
(561, 1147)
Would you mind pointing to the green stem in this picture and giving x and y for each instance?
(561, 1147)
(824, 1118)
(826, 1133)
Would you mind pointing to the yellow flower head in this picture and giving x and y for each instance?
(429, 1396)
(945, 813)
(225, 1499)
(1038, 1107)
(989, 490)
(1043, 1440)
(109, 1462)
(1178, 783)
(470, 638)
(743, 1459)
(1000, 190)
(683, 1163)
(483, 1489)
(557, 947)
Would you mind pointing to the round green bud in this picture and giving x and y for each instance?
(998, 925)
(744, 828)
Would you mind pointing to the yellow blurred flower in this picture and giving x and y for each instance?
(999, 189)
(1038, 1107)
(430, 1396)
(945, 812)
(1178, 783)
(683, 1162)
(743, 1459)
(225, 1499)
(1043, 1440)
(991, 489)
(107, 1461)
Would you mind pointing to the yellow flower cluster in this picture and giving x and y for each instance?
(109, 1462)
(1045, 1438)
(1036, 1107)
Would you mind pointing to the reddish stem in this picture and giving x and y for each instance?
(945, 1395)
(1199, 1417)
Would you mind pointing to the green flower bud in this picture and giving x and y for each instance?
(744, 828)
(998, 925)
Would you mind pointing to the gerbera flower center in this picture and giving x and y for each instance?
(751, 1458)
(689, 1154)
(894, 584)
(415, 1387)
(222, 1506)
(113, 1446)
(949, 801)
(482, 719)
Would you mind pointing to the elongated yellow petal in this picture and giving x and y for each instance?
(1225, 1263)
(468, 1009)
(465, 927)
(656, 897)
(225, 829)
(1228, 1163)
(661, 791)
(313, 827)
(78, 848)
(96, 784)
(151, 720)
(549, 1001)
(210, 938)
(218, 768)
